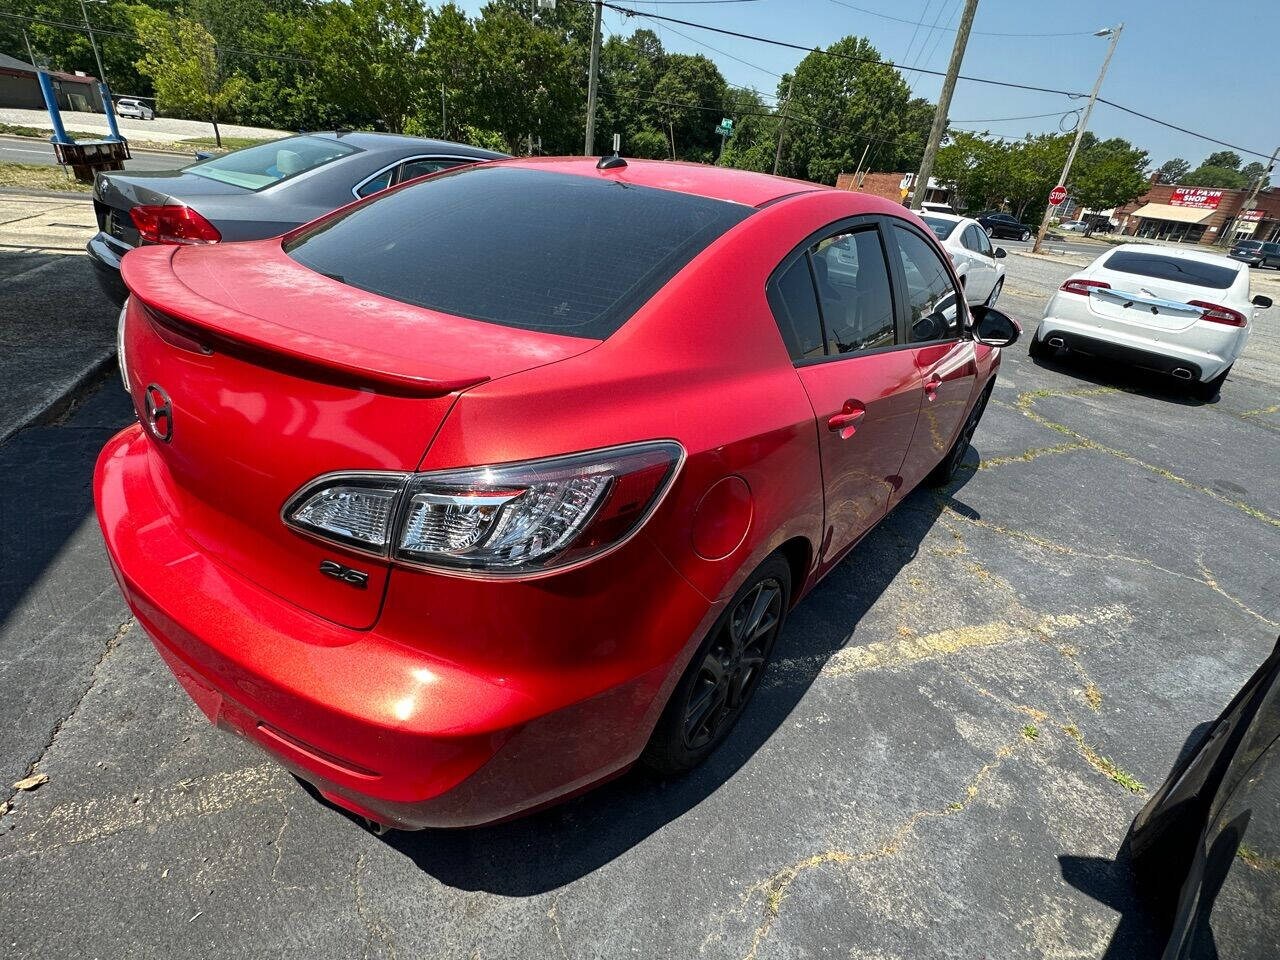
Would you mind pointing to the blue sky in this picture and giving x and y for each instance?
(1211, 67)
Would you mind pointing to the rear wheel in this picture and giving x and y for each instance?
(1207, 391)
(943, 473)
(723, 674)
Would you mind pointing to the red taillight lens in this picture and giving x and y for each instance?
(1082, 287)
(171, 223)
(1219, 314)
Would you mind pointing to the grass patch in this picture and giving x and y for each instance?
(1031, 731)
(18, 130)
(228, 143)
(37, 176)
(1103, 764)
(1093, 697)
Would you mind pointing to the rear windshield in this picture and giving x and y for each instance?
(257, 167)
(1249, 244)
(1161, 267)
(941, 228)
(524, 248)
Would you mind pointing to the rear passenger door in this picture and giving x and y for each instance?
(982, 264)
(936, 317)
(834, 301)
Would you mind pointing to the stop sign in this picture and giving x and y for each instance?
(1057, 195)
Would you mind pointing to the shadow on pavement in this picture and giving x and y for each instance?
(549, 849)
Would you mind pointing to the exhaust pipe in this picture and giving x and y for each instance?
(376, 828)
(1182, 373)
(1057, 342)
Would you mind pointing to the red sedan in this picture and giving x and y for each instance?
(472, 494)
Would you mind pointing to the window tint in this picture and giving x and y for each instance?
(969, 239)
(931, 299)
(853, 290)
(380, 182)
(523, 248)
(795, 308)
(1162, 267)
(941, 228)
(420, 168)
(258, 167)
(1271, 248)
(980, 238)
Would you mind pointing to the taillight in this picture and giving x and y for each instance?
(171, 223)
(516, 519)
(1082, 286)
(1219, 314)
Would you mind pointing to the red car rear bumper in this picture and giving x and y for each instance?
(376, 723)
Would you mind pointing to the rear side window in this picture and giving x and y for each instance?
(1271, 248)
(524, 248)
(796, 310)
(1161, 267)
(941, 228)
(853, 290)
(256, 168)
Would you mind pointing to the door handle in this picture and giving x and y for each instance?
(845, 422)
(931, 387)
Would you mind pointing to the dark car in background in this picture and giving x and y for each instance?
(1256, 253)
(1003, 226)
(255, 193)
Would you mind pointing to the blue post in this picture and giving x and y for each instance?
(51, 102)
(110, 110)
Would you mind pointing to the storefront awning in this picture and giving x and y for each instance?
(1167, 211)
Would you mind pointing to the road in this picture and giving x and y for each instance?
(1092, 248)
(21, 150)
(961, 721)
(158, 130)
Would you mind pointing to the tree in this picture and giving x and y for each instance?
(182, 60)
(1172, 171)
(690, 95)
(1223, 158)
(1255, 172)
(1108, 174)
(1214, 176)
(841, 105)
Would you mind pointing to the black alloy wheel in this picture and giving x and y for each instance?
(723, 673)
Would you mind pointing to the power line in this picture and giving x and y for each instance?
(937, 73)
(984, 33)
(1031, 116)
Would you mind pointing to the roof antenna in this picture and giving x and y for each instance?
(614, 162)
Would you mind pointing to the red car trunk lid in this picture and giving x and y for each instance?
(276, 375)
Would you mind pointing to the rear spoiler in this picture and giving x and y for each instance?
(196, 323)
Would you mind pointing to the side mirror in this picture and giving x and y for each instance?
(999, 252)
(1261, 301)
(994, 328)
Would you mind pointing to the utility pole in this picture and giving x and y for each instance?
(782, 126)
(1254, 190)
(102, 74)
(944, 105)
(1114, 34)
(589, 146)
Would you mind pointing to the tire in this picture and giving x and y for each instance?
(723, 674)
(994, 295)
(945, 471)
(1206, 392)
(1039, 350)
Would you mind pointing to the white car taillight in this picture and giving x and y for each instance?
(1219, 314)
(515, 519)
(1082, 286)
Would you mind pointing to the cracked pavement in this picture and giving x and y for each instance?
(958, 727)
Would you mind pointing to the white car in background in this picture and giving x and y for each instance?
(1073, 226)
(134, 108)
(976, 261)
(1180, 312)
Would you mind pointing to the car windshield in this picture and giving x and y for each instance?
(255, 168)
(1161, 267)
(524, 248)
(941, 228)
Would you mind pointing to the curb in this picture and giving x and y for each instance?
(176, 153)
(85, 382)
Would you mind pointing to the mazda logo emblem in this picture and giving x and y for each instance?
(159, 412)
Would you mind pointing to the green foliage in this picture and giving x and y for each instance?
(1172, 171)
(1223, 158)
(1206, 175)
(181, 59)
(1107, 174)
(1255, 171)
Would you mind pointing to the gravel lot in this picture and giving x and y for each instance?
(963, 720)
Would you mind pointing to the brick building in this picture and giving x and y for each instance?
(1169, 211)
(889, 186)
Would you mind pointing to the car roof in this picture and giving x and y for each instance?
(700, 179)
(1198, 255)
(942, 216)
(373, 142)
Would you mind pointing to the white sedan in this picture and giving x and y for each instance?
(134, 108)
(976, 261)
(1180, 312)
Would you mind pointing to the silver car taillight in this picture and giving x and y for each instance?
(514, 519)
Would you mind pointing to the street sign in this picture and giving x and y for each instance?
(726, 127)
(1057, 195)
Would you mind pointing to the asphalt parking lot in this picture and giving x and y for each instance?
(961, 722)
